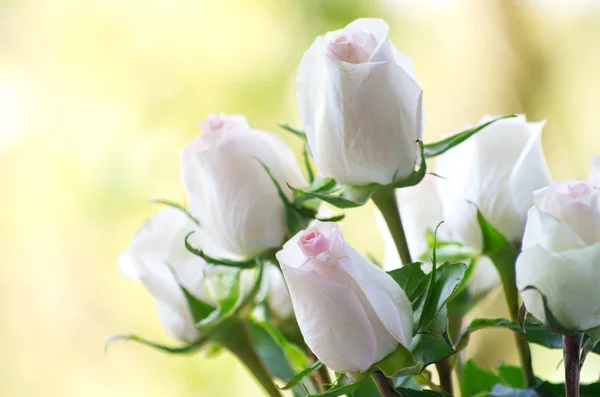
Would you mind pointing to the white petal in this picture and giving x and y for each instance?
(531, 172)
(237, 203)
(177, 320)
(421, 210)
(369, 277)
(480, 170)
(362, 120)
(397, 318)
(568, 279)
(484, 277)
(550, 232)
(332, 321)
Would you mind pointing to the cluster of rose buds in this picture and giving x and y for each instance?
(252, 238)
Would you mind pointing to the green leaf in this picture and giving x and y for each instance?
(437, 148)
(342, 385)
(178, 206)
(500, 390)
(544, 389)
(294, 130)
(215, 261)
(433, 344)
(417, 175)
(309, 171)
(294, 220)
(511, 376)
(186, 349)
(298, 377)
(273, 356)
(335, 218)
(547, 389)
(399, 363)
(411, 279)
(404, 392)
(476, 380)
(293, 353)
(463, 299)
(534, 333)
(366, 389)
(447, 279)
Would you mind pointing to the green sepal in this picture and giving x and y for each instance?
(178, 206)
(437, 148)
(294, 130)
(591, 338)
(309, 170)
(417, 175)
(186, 349)
(443, 283)
(300, 375)
(232, 305)
(251, 263)
(199, 309)
(447, 251)
(551, 321)
(399, 363)
(294, 220)
(349, 197)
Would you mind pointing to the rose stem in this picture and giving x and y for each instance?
(571, 348)
(385, 200)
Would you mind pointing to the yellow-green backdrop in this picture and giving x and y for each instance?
(97, 97)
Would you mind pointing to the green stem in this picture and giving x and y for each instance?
(385, 199)
(384, 385)
(506, 268)
(445, 374)
(235, 337)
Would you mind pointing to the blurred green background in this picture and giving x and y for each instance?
(97, 97)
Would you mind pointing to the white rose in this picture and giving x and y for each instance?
(421, 210)
(496, 170)
(351, 313)
(158, 257)
(561, 255)
(360, 104)
(230, 193)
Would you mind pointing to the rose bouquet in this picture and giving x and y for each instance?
(257, 265)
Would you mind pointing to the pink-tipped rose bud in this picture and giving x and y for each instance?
(343, 300)
(355, 47)
(561, 255)
(360, 104)
(313, 242)
(231, 195)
